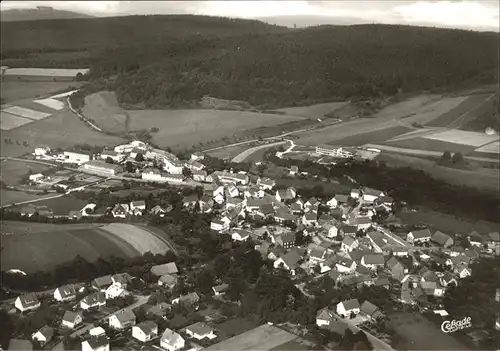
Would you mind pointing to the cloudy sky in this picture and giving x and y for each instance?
(469, 14)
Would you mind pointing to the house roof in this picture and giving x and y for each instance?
(494, 236)
(47, 332)
(98, 341)
(168, 279)
(162, 269)
(287, 237)
(368, 308)
(103, 281)
(147, 327)
(121, 278)
(159, 309)
(94, 298)
(191, 297)
(220, 288)
(324, 314)
(363, 270)
(170, 337)
(292, 258)
(440, 238)
(28, 300)
(361, 220)
(200, 328)
(344, 261)
(372, 192)
(349, 229)
(423, 233)
(125, 316)
(266, 209)
(341, 198)
(393, 262)
(317, 253)
(374, 258)
(138, 203)
(311, 216)
(313, 201)
(70, 316)
(67, 290)
(350, 304)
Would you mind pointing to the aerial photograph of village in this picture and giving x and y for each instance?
(250, 175)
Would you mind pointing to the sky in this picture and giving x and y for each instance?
(466, 14)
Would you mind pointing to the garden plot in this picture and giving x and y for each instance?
(51, 103)
(463, 137)
(493, 148)
(9, 121)
(26, 113)
(141, 240)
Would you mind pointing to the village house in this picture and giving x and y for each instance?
(166, 268)
(281, 216)
(432, 289)
(370, 195)
(462, 270)
(43, 335)
(113, 155)
(312, 202)
(65, 293)
(331, 228)
(230, 177)
(189, 299)
(167, 280)
(400, 251)
(265, 211)
(396, 268)
(93, 300)
(355, 193)
(348, 308)
(120, 211)
(200, 331)
(239, 234)
(220, 289)
(35, 178)
(102, 283)
(349, 244)
(71, 319)
(317, 255)
(448, 279)
(324, 317)
(122, 320)
(138, 206)
(382, 282)
(373, 261)
(361, 223)
(442, 239)
(286, 240)
(266, 183)
(419, 236)
(492, 241)
(337, 200)
(96, 343)
(159, 310)
(194, 166)
(475, 239)
(158, 211)
(294, 170)
(190, 201)
(171, 341)
(371, 311)
(289, 261)
(232, 191)
(219, 225)
(145, 331)
(197, 156)
(345, 265)
(284, 195)
(27, 302)
(199, 176)
(310, 219)
(173, 166)
(377, 241)
(233, 202)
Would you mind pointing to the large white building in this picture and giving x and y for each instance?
(76, 157)
(173, 166)
(335, 151)
(102, 168)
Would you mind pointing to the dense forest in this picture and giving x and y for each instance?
(175, 60)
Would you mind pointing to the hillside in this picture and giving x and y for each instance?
(40, 13)
(175, 60)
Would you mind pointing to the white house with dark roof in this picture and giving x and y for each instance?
(43, 335)
(219, 225)
(27, 302)
(173, 166)
(171, 341)
(337, 200)
(120, 211)
(93, 300)
(139, 205)
(71, 319)
(122, 320)
(348, 307)
(145, 331)
(324, 317)
(348, 244)
(475, 239)
(96, 343)
(200, 331)
(239, 234)
(345, 265)
(289, 261)
(102, 283)
(419, 236)
(370, 195)
(373, 260)
(199, 176)
(65, 293)
(317, 255)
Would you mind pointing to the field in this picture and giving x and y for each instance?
(38, 246)
(483, 178)
(235, 326)
(313, 111)
(62, 205)
(8, 197)
(493, 148)
(265, 337)
(61, 130)
(445, 223)
(185, 128)
(9, 121)
(229, 152)
(421, 334)
(26, 113)
(11, 171)
(430, 145)
(372, 137)
(103, 108)
(14, 90)
(463, 137)
(466, 106)
(141, 240)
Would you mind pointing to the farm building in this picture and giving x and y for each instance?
(336, 151)
(76, 157)
(99, 167)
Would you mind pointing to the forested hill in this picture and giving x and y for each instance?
(161, 61)
(40, 13)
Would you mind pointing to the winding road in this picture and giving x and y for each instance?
(243, 155)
